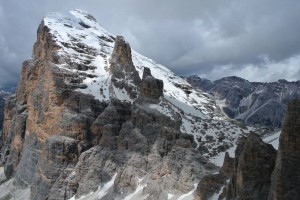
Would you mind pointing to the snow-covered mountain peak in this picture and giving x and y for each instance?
(85, 51)
(87, 48)
(75, 19)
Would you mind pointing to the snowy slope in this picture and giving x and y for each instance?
(85, 51)
(273, 139)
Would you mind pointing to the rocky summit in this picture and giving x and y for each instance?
(93, 119)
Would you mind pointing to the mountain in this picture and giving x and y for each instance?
(92, 118)
(253, 103)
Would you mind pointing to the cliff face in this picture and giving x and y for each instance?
(4, 93)
(258, 170)
(247, 176)
(286, 175)
(45, 117)
(253, 166)
(212, 186)
(74, 127)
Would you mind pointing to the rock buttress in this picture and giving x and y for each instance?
(213, 183)
(286, 175)
(151, 87)
(253, 166)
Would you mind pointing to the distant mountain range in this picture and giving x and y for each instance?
(254, 103)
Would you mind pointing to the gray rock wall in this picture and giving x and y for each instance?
(286, 175)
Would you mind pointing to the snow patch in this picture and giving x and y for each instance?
(170, 196)
(189, 195)
(137, 194)
(161, 109)
(216, 196)
(121, 94)
(98, 194)
(219, 159)
(273, 139)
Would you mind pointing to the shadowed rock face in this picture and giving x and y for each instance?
(286, 175)
(258, 171)
(254, 163)
(214, 183)
(4, 93)
(151, 87)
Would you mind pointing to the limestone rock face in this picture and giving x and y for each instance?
(45, 106)
(124, 74)
(59, 153)
(151, 87)
(253, 166)
(286, 175)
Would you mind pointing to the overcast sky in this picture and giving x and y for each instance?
(258, 40)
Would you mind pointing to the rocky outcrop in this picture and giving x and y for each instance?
(253, 166)
(286, 175)
(215, 183)
(202, 83)
(254, 103)
(228, 165)
(258, 171)
(124, 74)
(209, 185)
(151, 87)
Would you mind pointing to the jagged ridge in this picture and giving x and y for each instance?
(254, 103)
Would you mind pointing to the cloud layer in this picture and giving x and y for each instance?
(258, 40)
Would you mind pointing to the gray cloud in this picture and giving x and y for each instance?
(210, 38)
